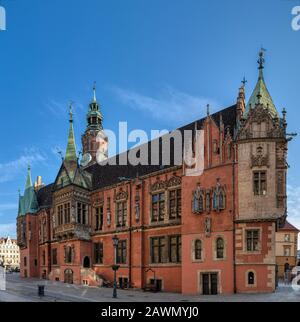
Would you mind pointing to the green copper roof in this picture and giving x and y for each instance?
(94, 115)
(28, 181)
(71, 154)
(261, 94)
(28, 203)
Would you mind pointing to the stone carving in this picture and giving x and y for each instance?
(281, 152)
(174, 182)
(260, 160)
(122, 195)
(159, 185)
(207, 226)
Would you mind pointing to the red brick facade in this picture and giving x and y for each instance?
(220, 248)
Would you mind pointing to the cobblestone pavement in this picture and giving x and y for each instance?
(25, 290)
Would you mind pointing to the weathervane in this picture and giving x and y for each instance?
(244, 81)
(94, 90)
(261, 59)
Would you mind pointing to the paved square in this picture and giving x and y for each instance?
(26, 290)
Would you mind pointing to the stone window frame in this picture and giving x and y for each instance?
(54, 251)
(193, 257)
(216, 192)
(100, 250)
(245, 229)
(209, 271)
(178, 245)
(289, 248)
(169, 190)
(260, 192)
(214, 248)
(165, 251)
(121, 198)
(247, 278)
(121, 263)
(197, 194)
(95, 207)
(153, 193)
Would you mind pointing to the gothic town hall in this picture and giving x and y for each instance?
(207, 234)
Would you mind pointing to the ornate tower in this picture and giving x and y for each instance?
(262, 150)
(94, 140)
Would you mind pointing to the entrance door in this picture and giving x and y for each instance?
(68, 278)
(210, 283)
(214, 284)
(205, 284)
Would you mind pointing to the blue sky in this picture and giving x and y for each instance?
(156, 62)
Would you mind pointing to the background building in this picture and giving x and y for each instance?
(286, 248)
(9, 253)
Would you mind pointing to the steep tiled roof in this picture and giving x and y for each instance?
(289, 226)
(44, 196)
(106, 175)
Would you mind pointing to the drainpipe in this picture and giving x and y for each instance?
(49, 243)
(130, 231)
(234, 215)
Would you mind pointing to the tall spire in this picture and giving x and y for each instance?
(261, 94)
(71, 154)
(28, 181)
(94, 90)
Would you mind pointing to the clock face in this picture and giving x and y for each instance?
(86, 159)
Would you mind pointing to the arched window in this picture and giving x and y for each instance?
(220, 248)
(222, 200)
(215, 201)
(198, 249)
(86, 262)
(251, 278)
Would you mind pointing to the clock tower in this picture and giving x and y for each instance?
(94, 140)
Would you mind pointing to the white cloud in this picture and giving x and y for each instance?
(8, 230)
(9, 170)
(172, 105)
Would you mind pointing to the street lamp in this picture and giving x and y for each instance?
(115, 267)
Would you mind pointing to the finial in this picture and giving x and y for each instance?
(94, 90)
(19, 192)
(261, 59)
(29, 167)
(207, 109)
(284, 113)
(71, 111)
(244, 81)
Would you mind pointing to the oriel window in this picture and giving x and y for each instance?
(259, 183)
